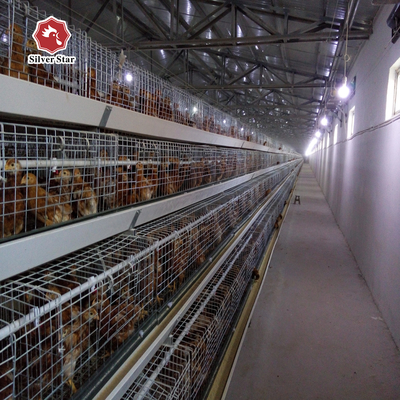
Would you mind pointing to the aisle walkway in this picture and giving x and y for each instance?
(316, 332)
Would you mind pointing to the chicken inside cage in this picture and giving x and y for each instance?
(103, 75)
(52, 176)
(69, 317)
(15, 64)
(205, 328)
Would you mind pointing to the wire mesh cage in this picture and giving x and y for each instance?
(103, 75)
(62, 321)
(166, 377)
(204, 329)
(65, 319)
(53, 175)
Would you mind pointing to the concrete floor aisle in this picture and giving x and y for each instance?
(316, 332)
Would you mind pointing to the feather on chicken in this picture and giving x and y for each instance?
(125, 177)
(75, 340)
(85, 198)
(60, 189)
(146, 187)
(45, 208)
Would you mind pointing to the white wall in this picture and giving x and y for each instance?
(360, 177)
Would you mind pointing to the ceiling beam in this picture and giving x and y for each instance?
(207, 22)
(255, 18)
(156, 23)
(270, 67)
(95, 18)
(247, 41)
(267, 86)
(270, 107)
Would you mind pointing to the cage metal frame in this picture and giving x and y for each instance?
(202, 330)
(44, 309)
(80, 173)
(105, 76)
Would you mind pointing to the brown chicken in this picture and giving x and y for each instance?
(205, 124)
(92, 84)
(45, 208)
(60, 189)
(216, 236)
(190, 121)
(14, 171)
(255, 274)
(59, 285)
(37, 72)
(230, 165)
(146, 187)
(221, 169)
(12, 201)
(211, 125)
(105, 183)
(146, 103)
(196, 173)
(58, 354)
(75, 339)
(181, 254)
(197, 252)
(125, 178)
(118, 319)
(207, 174)
(178, 116)
(233, 132)
(169, 177)
(233, 215)
(184, 170)
(278, 221)
(15, 66)
(164, 108)
(120, 95)
(85, 199)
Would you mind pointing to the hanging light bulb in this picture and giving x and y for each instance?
(344, 90)
(324, 121)
(318, 134)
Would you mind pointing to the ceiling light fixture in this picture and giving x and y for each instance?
(344, 90)
(129, 77)
(324, 121)
(318, 134)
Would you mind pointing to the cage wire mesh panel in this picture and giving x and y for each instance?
(106, 76)
(53, 175)
(166, 377)
(62, 321)
(66, 318)
(206, 326)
